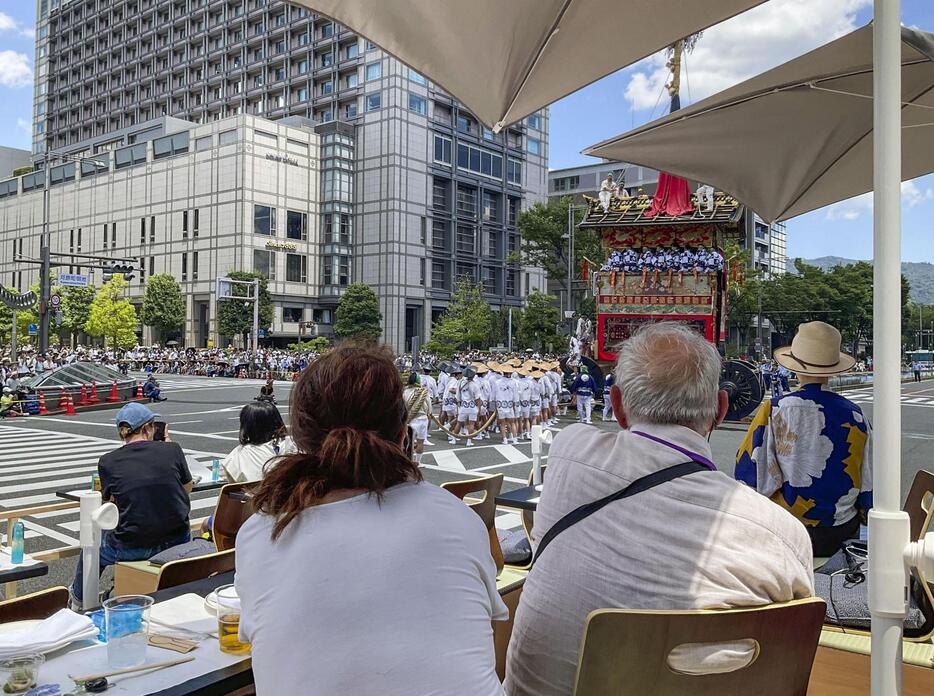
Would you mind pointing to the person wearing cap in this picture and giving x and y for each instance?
(608, 383)
(429, 382)
(152, 391)
(149, 482)
(7, 403)
(810, 451)
(582, 391)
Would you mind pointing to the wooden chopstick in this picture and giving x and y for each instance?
(128, 670)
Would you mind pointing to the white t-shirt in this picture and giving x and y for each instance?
(248, 462)
(372, 599)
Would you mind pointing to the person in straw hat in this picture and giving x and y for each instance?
(811, 450)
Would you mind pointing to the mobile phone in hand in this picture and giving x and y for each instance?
(159, 434)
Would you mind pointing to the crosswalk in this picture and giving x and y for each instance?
(169, 383)
(864, 396)
(36, 463)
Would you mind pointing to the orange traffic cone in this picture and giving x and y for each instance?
(114, 397)
(139, 391)
(93, 399)
(83, 399)
(43, 411)
(67, 403)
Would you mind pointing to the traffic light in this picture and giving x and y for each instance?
(126, 270)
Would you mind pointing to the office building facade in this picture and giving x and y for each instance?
(430, 194)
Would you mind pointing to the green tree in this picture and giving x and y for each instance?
(112, 315)
(318, 344)
(76, 308)
(357, 315)
(467, 321)
(544, 228)
(540, 318)
(235, 318)
(163, 305)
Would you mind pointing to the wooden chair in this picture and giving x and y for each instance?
(625, 652)
(234, 507)
(528, 517)
(920, 503)
(185, 570)
(490, 487)
(38, 605)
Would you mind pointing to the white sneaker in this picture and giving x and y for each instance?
(452, 441)
(469, 442)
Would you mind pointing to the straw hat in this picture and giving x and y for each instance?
(481, 368)
(815, 350)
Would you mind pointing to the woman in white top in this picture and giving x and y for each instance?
(263, 437)
(354, 576)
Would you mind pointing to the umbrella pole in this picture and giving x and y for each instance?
(888, 525)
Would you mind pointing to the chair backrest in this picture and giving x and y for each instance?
(625, 652)
(234, 507)
(920, 503)
(485, 507)
(185, 570)
(38, 605)
(528, 517)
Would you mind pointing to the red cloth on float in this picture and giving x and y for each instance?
(672, 197)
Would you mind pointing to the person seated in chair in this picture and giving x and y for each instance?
(150, 483)
(152, 391)
(697, 539)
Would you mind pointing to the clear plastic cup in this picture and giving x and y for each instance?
(20, 674)
(126, 618)
(228, 621)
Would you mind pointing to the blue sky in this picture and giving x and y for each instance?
(756, 41)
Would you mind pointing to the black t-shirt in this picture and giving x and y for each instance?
(146, 481)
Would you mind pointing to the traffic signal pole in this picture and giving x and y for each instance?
(45, 282)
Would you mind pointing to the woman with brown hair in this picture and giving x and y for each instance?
(355, 577)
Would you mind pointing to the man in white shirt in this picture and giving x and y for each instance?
(698, 541)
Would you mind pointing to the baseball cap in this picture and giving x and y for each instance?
(135, 415)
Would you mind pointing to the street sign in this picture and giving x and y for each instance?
(55, 301)
(73, 280)
(758, 343)
(262, 333)
(33, 329)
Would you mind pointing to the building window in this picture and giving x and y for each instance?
(490, 206)
(514, 171)
(293, 315)
(373, 71)
(184, 224)
(321, 316)
(373, 101)
(423, 230)
(511, 277)
(439, 194)
(439, 235)
(194, 265)
(439, 275)
(264, 262)
(125, 157)
(488, 134)
(152, 265)
(479, 161)
(336, 270)
(185, 266)
(296, 225)
(493, 245)
(170, 145)
(533, 146)
(534, 121)
(418, 104)
(466, 201)
(196, 222)
(513, 211)
(465, 240)
(350, 110)
(442, 149)
(296, 268)
(352, 79)
(465, 124)
(142, 230)
(421, 271)
(326, 88)
(345, 228)
(417, 77)
(264, 220)
(352, 50)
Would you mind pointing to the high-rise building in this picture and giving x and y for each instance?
(430, 194)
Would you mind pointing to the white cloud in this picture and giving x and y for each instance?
(7, 23)
(24, 126)
(744, 46)
(855, 208)
(15, 70)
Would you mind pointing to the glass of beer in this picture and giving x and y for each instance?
(228, 621)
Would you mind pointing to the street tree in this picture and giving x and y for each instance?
(540, 317)
(544, 229)
(467, 321)
(112, 316)
(318, 344)
(163, 305)
(235, 318)
(76, 308)
(357, 315)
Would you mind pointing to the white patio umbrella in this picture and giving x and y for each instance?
(504, 59)
(797, 137)
(819, 129)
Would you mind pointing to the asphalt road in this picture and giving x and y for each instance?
(41, 455)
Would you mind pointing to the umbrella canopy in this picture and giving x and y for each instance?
(797, 137)
(506, 59)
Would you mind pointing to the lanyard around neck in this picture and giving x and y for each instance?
(694, 456)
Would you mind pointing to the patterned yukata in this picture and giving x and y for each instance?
(810, 452)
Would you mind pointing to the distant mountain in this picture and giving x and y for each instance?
(920, 275)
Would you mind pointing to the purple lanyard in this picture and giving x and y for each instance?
(694, 456)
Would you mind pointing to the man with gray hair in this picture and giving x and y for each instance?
(686, 536)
